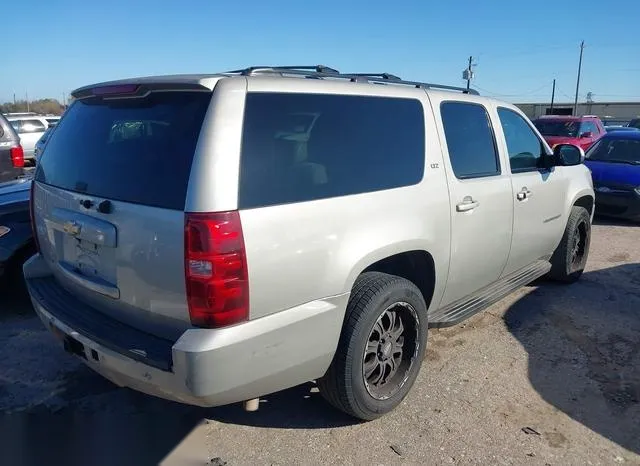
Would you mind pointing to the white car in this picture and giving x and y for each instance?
(30, 129)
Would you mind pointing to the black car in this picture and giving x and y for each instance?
(16, 239)
(11, 153)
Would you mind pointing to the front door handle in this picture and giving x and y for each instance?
(467, 204)
(524, 194)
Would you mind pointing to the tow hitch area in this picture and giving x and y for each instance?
(70, 344)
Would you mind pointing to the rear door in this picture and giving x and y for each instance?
(481, 204)
(110, 196)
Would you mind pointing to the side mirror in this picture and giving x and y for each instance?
(567, 155)
(587, 134)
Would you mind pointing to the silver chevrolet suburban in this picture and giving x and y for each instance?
(211, 239)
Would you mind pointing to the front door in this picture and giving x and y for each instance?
(538, 192)
(480, 200)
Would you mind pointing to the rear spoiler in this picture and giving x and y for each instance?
(140, 88)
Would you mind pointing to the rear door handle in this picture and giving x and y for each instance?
(524, 194)
(467, 204)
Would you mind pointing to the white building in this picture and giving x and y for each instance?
(616, 111)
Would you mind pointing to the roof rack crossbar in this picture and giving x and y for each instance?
(321, 71)
(291, 69)
(378, 75)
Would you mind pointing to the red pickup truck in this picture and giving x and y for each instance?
(580, 131)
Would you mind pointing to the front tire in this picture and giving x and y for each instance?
(381, 347)
(570, 258)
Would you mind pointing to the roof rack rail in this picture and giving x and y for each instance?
(321, 71)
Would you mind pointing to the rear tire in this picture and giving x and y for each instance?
(570, 257)
(381, 347)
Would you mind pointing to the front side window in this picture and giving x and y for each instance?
(303, 147)
(588, 127)
(470, 140)
(524, 147)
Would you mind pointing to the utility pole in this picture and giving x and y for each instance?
(575, 102)
(553, 97)
(27, 96)
(64, 101)
(467, 74)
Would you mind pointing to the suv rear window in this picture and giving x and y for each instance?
(302, 147)
(133, 150)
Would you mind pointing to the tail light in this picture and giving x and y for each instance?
(17, 156)
(216, 269)
(32, 209)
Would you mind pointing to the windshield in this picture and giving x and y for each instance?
(616, 151)
(563, 128)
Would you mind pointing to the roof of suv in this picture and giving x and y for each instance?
(568, 117)
(207, 81)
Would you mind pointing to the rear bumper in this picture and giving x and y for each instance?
(203, 367)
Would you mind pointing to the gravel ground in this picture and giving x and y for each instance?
(548, 376)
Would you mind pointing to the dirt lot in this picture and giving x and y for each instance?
(549, 376)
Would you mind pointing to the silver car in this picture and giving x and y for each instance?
(212, 239)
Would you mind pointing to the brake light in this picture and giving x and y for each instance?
(216, 269)
(17, 156)
(32, 216)
(116, 89)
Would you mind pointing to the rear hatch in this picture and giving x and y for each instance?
(109, 202)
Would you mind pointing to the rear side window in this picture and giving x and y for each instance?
(133, 150)
(302, 147)
(470, 140)
(31, 126)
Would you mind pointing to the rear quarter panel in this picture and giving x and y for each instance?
(299, 253)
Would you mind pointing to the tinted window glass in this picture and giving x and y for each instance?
(563, 128)
(470, 140)
(32, 126)
(135, 150)
(301, 147)
(16, 124)
(616, 151)
(525, 149)
(588, 127)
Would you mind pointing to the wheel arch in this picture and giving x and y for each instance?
(422, 266)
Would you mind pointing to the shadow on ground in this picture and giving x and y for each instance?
(123, 427)
(583, 343)
(614, 221)
(55, 410)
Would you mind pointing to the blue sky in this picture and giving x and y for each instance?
(520, 46)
